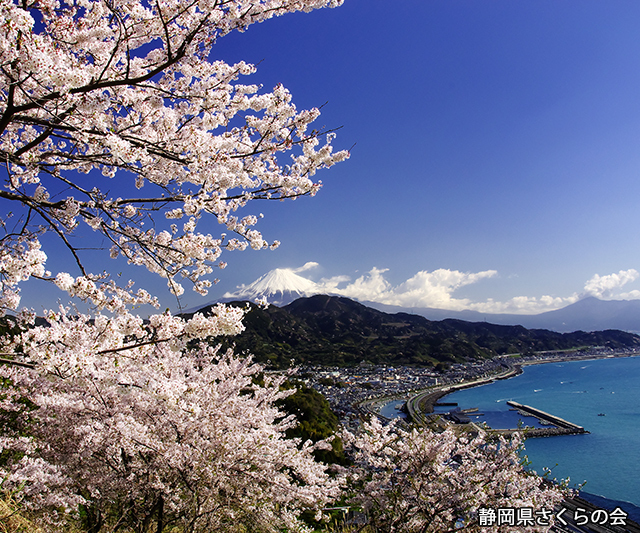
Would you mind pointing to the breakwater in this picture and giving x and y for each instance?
(612, 385)
(561, 426)
(419, 408)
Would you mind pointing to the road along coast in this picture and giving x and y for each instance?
(419, 407)
(421, 404)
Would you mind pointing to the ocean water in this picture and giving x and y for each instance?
(606, 460)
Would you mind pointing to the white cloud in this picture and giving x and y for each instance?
(524, 304)
(307, 266)
(605, 286)
(437, 289)
(329, 285)
(372, 287)
(631, 295)
(424, 289)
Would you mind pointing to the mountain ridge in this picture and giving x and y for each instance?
(587, 314)
(282, 286)
(334, 330)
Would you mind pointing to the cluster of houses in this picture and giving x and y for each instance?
(347, 388)
(367, 387)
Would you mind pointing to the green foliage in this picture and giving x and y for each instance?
(316, 420)
(334, 331)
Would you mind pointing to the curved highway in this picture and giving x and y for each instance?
(430, 396)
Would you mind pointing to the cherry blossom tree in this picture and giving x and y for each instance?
(158, 433)
(419, 481)
(143, 423)
(99, 95)
(138, 421)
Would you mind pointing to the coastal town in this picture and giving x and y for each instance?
(366, 389)
(355, 391)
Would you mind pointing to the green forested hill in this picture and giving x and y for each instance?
(333, 330)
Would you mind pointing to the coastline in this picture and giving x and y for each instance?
(423, 401)
(568, 359)
(428, 397)
(584, 500)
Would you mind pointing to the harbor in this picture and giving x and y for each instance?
(557, 425)
(420, 408)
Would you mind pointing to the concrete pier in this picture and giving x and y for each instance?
(559, 423)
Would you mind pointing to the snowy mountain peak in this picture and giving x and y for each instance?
(279, 286)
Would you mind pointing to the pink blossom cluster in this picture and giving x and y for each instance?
(419, 480)
(19, 261)
(131, 419)
(127, 420)
(127, 89)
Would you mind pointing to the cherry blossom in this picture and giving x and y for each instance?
(126, 92)
(418, 480)
(134, 422)
(135, 431)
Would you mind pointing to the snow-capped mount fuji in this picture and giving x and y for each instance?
(280, 286)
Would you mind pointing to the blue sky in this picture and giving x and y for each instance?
(496, 143)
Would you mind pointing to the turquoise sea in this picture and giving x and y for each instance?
(607, 460)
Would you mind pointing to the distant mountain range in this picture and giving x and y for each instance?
(280, 287)
(588, 314)
(332, 330)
